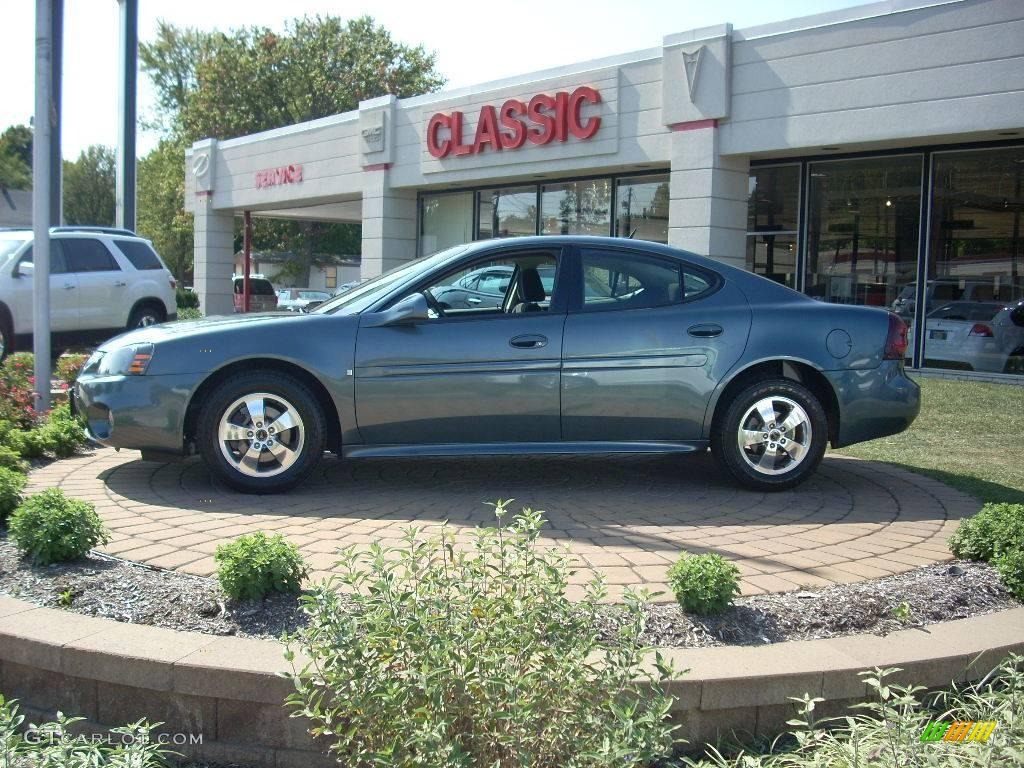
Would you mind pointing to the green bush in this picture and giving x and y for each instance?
(51, 528)
(996, 528)
(445, 657)
(12, 483)
(186, 299)
(11, 459)
(1010, 565)
(189, 313)
(29, 443)
(253, 565)
(17, 400)
(68, 367)
(63, 433)
(704, 584)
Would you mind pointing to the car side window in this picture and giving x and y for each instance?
(139, 254)
(58, 264)
(614, 279)
(87, 255)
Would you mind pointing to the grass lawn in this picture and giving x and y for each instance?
(969, 435)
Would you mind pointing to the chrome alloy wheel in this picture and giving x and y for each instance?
(774, 435)
(147, 320)
(261, 435)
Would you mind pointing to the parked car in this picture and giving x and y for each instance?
(349, 285)
(663, 351)
(300, 299)
(262, 296)
(102, 281)
(942, 290)
(976, 336)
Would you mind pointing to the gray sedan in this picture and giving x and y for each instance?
(633, 347)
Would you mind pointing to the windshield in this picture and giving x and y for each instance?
(9, 245)
(365, 295)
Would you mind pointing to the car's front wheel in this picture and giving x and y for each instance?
(772, 435)
(261, 432)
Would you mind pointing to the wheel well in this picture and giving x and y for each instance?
(149, 302)
(6, 318)
(810, 377)
(319, 391)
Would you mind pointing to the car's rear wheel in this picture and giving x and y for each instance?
(261, 432)
(144, 316)
(6, 338)
(772, 435)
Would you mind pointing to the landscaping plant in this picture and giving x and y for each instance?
(995, 529)
(50, 528)
(1010, 565)
(254, 564)
(17, 401)
(428, 654)
(68, 367)
(704, 584)
(12, 483)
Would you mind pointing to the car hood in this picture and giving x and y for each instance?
(214, 324)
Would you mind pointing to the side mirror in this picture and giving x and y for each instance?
(410, 310)
(25, 269)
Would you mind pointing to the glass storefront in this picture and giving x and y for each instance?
(507, 212)
(772, 222)
(641, 210)
(576, 208)
(445, 220)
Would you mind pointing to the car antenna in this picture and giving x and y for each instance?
(633, 232)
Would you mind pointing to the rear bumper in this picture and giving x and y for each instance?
(874, 403)
(146, 413)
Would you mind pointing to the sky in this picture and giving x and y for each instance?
(472, 46)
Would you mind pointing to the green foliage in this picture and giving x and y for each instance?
(69, 365)
(57, 744)
(12, 483)
(162, 217)
(190, 313)
(186, 299)
(16, 157)
(474, 656)
(63, 434)
(996, 528)
(887, 730)
(49, 527)
(17, 401)
(1010, 565)
(88, 187)
(704, 584)
(10, 458)
(253, 565)
(29, 443)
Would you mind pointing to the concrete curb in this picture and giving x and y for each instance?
(229, 690)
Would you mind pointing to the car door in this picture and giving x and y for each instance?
(473, 375)
(63, 292)
(646, 340)
(102, 284)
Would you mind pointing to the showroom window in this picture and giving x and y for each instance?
(641, 208)
(863, 221)
(975, 262)
(507, 212)
(577, 208)
(445, 220)
(773, 222)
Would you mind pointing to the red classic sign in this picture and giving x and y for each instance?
(272, 177)
(543, 120)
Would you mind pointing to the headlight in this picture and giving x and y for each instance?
(133, 360)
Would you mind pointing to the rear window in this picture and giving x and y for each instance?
(257, 287)
(139, 254)
(967, 310)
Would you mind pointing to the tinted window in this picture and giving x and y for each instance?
(257, 287)
(967, 310)
(139, 254)
(621, 280)
(88, 256)
(495, 283)
(58, 265)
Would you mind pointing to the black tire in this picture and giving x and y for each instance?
(6, 338)
(292, 393)
(782, 471)
(147, 314)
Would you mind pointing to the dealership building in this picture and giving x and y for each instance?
(873, 155)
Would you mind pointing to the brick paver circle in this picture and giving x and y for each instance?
(626, 516)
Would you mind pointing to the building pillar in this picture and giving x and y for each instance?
(389, 224)
(214, 258)
(708, 195)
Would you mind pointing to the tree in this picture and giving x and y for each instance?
(161, 205)
(16, 157)
(89, 187)
(254, 79)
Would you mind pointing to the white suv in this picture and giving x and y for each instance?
(102, 281)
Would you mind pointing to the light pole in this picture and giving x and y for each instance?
(41, 159)
(126, 109)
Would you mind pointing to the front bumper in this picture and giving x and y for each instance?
(874, 403)
(146, 413)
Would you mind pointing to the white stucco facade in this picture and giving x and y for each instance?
(879, 77)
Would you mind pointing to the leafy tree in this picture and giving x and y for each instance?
(161, 210)
(16, 157)
(171, 63)
(89, 187)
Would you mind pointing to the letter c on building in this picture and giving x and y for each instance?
(577, 126)
(435, 148)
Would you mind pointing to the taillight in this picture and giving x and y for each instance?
(896, 341)
(173, 282)
(980, 329)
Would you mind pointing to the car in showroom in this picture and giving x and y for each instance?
(976, 336)
(300, 299)
(102, 281)
(634, 347)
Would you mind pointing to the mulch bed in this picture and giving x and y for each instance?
(101, 585)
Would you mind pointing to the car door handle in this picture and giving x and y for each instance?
(705, 330)
(69, 286)
(529, 341)
(472, 300)
(120, 284)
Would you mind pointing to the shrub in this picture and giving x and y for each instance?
(29, 443)
(996, 528)
(186, 299)
(189, 313)
(17, 401)
(704, 584)
(11, 459)
(255, 564)
(69, 366)
(51, 528)
(1010, 565)
(475, 657)
(63, 433)
(12, 483)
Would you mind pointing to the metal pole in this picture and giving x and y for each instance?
(41, 206)
(247, 254)
(129, 49)
(56, 81)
